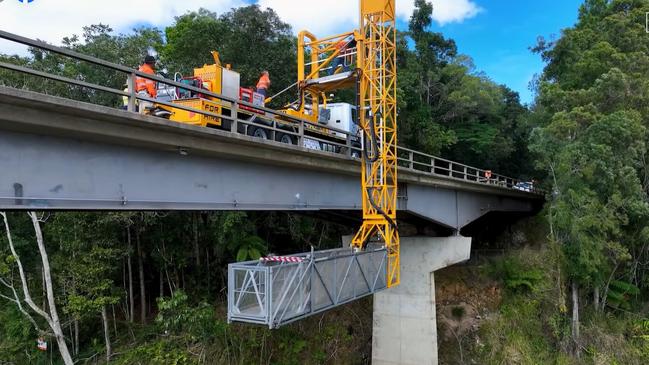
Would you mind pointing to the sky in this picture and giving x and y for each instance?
(497, 34)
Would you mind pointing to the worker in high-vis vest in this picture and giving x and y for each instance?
(145, 87)
(264, 84)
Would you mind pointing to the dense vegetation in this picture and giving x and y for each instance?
(582, 296)
(135, 288)
(592, 111)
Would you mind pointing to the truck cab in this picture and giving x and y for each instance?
(341, 116)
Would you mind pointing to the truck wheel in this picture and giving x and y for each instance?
(259, 133)
(285, 138)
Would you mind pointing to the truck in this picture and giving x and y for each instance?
(221, 79)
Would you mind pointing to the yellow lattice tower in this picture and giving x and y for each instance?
(378, 118)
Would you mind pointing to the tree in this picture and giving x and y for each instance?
(592, 111)
(446, 107)
(87, 278)
(251, 39)
(51, 316)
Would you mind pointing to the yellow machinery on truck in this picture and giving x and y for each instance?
(214, 78)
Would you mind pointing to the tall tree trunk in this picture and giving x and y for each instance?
(575, 318)
(74, 350)
(197, 251)
(104, 319)
(44, 288)
(142, 286)
(209, 273)
(161, 283)
(54, 315)
(131, 300)
(76, 336)
(114, 320)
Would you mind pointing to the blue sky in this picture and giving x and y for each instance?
(497, 34)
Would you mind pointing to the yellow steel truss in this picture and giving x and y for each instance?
(376, 67)
(314, 58)
(378, 112)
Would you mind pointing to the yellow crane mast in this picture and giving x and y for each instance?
(378, 89)
(375, 77)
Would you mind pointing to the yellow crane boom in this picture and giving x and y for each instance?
(378, 119)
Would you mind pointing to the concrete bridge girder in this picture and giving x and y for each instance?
(456, 208)
(61, 173)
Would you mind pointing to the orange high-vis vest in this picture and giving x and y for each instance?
(264, 82)
(145, 84)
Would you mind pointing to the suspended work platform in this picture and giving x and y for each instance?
(338, 81)
(279, 290)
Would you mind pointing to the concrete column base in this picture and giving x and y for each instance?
(405, 323)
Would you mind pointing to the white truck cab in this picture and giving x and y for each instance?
(341, 116)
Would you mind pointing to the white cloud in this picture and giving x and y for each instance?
(322, 18)
(51, 20)
(335, 16)
(444, 11)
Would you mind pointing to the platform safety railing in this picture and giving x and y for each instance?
(299, 130)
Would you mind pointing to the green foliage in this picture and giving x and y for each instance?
(268, 41)
(458, 312)
(17, 337)
(250, 248)
(516, 275)
(620, 294)
(176, 316)
(162, 352)
(592, 114)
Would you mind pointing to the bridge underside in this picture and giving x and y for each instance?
(60, 173)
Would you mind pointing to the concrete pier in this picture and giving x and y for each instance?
(405, 323)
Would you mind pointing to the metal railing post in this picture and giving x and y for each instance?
(131, 91)
(348, 143)
(300, 138)
(234, 125)
(411, 160)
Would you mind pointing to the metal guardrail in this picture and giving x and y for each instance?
(275, 122)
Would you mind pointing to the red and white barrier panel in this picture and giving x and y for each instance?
(281, 259)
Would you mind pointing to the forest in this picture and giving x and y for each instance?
(150, 287)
